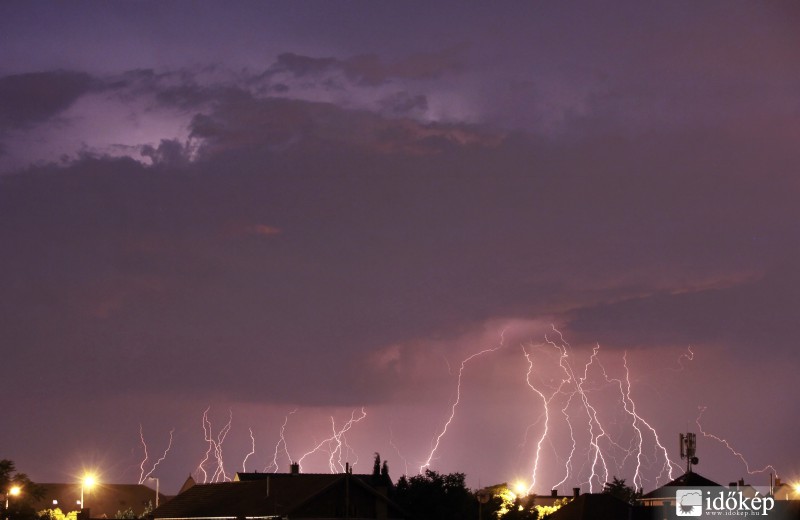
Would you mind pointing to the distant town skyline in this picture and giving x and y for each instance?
(294, 215)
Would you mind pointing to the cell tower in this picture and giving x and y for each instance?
(688, 442)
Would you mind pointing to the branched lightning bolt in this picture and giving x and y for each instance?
(341, 442)
(336, 442)
(143, 476)
(252, 451)
(397, 450)
(546, 402)
(439, 437)
(220, 475)
(214, 445)
(702, 410)
(596, 457)
(274, 465)
(630, 408)
(591, 413)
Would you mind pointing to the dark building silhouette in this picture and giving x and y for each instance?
(284, 495)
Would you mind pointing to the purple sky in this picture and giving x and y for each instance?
(265, 207)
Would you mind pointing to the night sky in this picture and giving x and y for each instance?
(284, 212)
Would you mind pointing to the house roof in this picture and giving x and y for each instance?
(257, 495)
(689, 479)
(600, 506)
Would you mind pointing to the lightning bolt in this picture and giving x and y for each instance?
(215, 446)
(702, 410)
(341, 441)
(143, 476)
(252, 451)
(439, 437)
(596, 459)
(336, 442)
(629, 405)
(397, 450)
(282, 440)
(546, 402)
(591, 412)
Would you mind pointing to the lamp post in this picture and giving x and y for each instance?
(87, 483)
(156, 479)
(483, 497)
(12, 492)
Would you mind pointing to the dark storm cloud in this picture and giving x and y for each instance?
(744, 318)
(243, 121)
(30, 99)
(168, 153)
(275, 243)
(404, 103)
(370, 69)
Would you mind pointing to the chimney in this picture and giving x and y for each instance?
(294, 468)
(777, 482)
(741, 482)
(347, 467)
(576, 492)
(554, 493)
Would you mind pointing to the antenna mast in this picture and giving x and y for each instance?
(688, 442)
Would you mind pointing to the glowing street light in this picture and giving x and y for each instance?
(13, 491)
(87, 483)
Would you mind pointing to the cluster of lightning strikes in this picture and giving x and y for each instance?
(145, 474)
(214, 451)
(768, 467)
(336, 445)
(212, 467)
(281, 442)
(576, 393)
(573, 399)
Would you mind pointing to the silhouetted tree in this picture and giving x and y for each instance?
(386, 480)
(618, 489)
(436, 497)
(376, 467)
(19, 507)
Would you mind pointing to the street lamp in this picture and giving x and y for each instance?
(156, 479)
(13, 491)
(87, 483)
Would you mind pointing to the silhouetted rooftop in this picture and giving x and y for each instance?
(690, 479)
